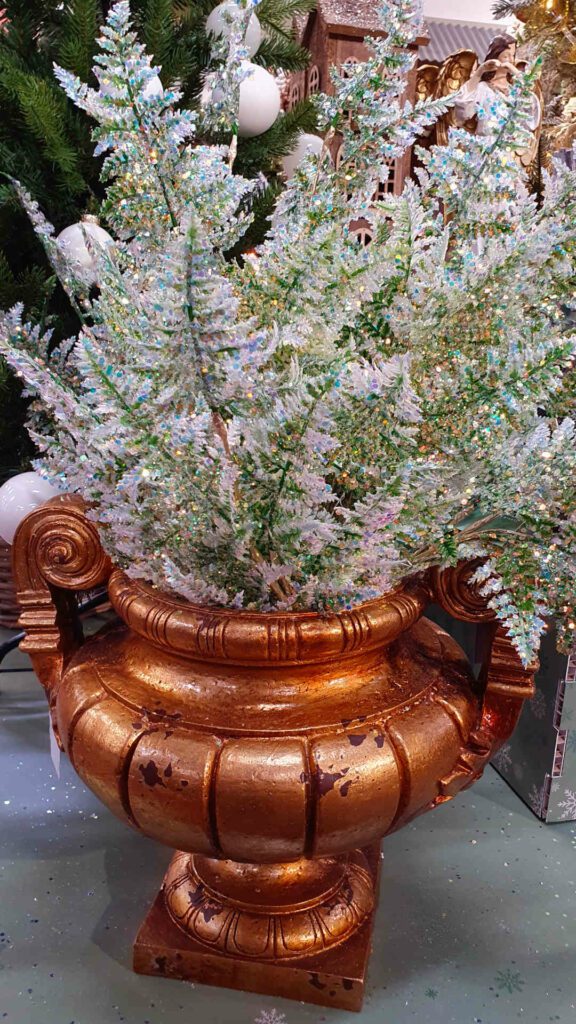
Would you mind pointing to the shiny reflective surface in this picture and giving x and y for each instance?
(280, 745)
(270, 912)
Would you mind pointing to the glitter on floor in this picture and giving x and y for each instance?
(476, 925)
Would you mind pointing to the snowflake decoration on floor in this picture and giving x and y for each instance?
(510, 981)
(270, 1017)
(538, 799)
(568, 805)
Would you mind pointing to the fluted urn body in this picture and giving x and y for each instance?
(272, 751)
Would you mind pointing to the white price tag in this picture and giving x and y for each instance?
(54, 750)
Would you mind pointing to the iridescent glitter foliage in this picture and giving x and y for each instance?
(308, 428)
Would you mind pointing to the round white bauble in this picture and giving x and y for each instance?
(217, 25)
(19, 496)
(153, 89)
(307, 144)
(259, 102)
(74, 246)
(209, 94)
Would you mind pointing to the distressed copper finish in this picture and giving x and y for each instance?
(9, 610)
(334, 978)
(270, 911)
(272, 751)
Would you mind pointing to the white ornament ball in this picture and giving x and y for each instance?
(19, 496)
(305, 146)
(153, 89)
(217, 25)
(259, 102)
(74, 246)
(209, 94)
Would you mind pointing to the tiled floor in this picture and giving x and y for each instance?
(477, 919)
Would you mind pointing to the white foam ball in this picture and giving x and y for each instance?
(73, 244)
(217, 25)
(19, 496)
(153, 89)
(209, 94)
(259, 102)
(306, 144)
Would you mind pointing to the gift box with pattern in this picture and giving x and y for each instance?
(539, 761)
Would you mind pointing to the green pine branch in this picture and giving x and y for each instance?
(279, 48)
(507, 8)
(44, 112)
(282, 53)
(279, 11)
(80, 28)
(159, 32)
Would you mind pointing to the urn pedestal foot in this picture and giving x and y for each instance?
(311, 944)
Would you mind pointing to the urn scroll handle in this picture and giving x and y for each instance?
(56, 553)
(505, 683)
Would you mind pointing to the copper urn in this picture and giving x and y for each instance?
(271, 751)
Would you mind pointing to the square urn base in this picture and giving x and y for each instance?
(334, 978)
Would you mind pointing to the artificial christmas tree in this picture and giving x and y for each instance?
(45, 141)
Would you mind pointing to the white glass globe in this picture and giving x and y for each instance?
(19, 496)
(217, 25)
(73, 245)
(209, 94)
(259, 102)
(153, 89)
(305, 145)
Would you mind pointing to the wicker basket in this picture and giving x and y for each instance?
(9, 610)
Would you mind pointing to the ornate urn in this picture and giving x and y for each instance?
(271, 751)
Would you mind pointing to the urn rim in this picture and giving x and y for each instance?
(241, 636)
